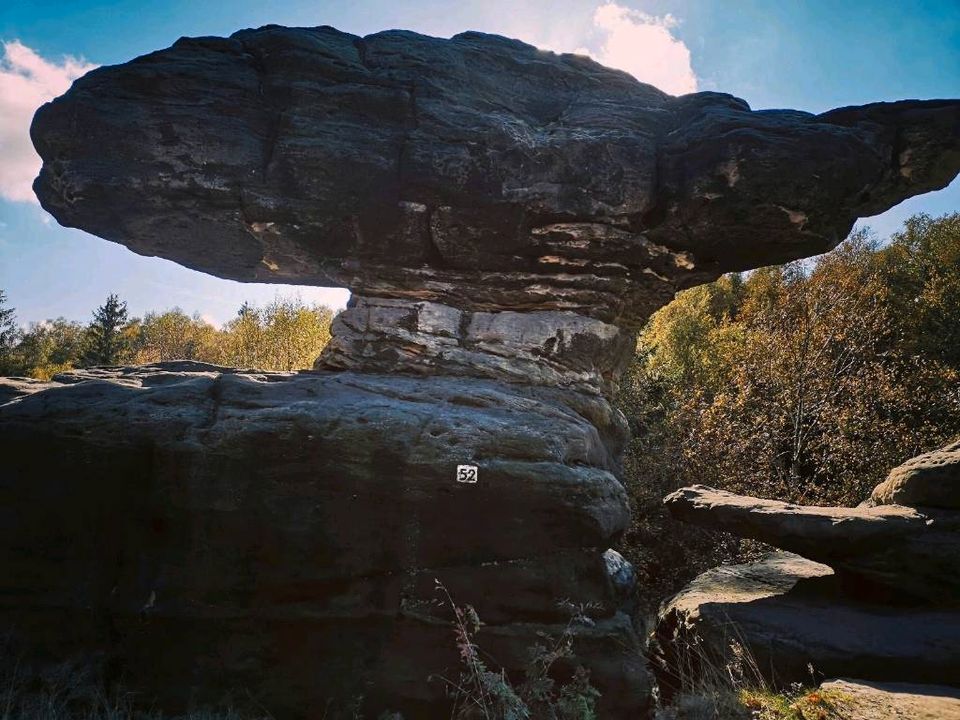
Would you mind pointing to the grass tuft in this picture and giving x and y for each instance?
(798, 704)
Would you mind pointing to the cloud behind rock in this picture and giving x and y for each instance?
(26, 82)
(644, 46)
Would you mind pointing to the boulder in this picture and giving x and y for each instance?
(238, 524)
(908, 551)
(781, 616)
(928, 480)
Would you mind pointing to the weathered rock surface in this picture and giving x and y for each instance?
(928, 480)
(477, 172)
(886, 612)
(895, 701)
(788, 613)
(912, 552)
(505, 218)
(271, 517)
(553, 348)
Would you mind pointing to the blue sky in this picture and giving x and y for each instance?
(811, 55)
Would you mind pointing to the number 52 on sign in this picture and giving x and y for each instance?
(467, 473)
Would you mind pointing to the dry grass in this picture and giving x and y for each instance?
(733, 688)
(70, 691)
(799, 703)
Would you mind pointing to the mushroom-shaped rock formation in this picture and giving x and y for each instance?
(443, 181)
(505, 218)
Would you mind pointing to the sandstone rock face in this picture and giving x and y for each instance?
(911, 552)
(870, 700)
(260, 527)
(886, 611)
(477, 172)
(789, 613)
(928, 480)
(554, 348)
(505, 218)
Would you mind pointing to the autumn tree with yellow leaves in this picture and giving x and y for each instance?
(805, 382)
(286, 334)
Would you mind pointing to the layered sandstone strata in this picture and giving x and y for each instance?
(506, 218)
(874, 595)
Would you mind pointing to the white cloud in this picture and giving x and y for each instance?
(26, 82)
(645, 47)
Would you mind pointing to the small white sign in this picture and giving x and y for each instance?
(467, 473)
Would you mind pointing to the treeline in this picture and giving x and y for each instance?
(284, 335)
(805, 382)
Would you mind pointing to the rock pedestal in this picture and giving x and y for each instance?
(219, 529)
(506, 218)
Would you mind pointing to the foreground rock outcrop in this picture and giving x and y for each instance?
(505, 218)
(218, 529)
(884, 604)
(789, 614)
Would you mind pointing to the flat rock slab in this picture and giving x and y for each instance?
(790, 613)
(895, 701)
(910, 551)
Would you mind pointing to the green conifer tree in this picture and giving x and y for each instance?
(106, 344)
(9, 333)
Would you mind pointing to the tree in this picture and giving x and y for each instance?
(285, 335)
(106, 343)
(805, 382)
(807, 377)
(683, 341)
(294, 333)
(8, 333)
(174, 335)
(922, 267)
(813, 381)
(8, 323)
(48, 348)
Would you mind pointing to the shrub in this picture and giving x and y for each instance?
(805, 382)
(481, 692)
